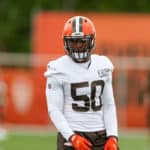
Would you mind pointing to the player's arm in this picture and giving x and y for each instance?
(110, 117)
(54, 94)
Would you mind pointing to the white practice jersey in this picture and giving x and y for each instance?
(80, 93)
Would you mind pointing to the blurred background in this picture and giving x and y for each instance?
(31, 35)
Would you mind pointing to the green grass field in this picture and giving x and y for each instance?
(47, 141)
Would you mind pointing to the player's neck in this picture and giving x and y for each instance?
(86, 64)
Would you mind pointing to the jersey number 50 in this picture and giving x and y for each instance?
(88, 101)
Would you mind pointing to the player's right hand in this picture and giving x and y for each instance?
(80, 143)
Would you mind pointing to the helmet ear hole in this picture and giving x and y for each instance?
(85, 20)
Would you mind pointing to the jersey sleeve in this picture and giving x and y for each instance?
(55, 100)
(108, 89)
(109, 107)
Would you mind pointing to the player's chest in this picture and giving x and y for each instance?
(88, 82)
(84, 91)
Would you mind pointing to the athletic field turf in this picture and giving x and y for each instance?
(47, 141)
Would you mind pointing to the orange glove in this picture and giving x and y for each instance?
(111, 144)
(80, 143)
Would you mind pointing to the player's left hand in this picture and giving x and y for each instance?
(111, 144)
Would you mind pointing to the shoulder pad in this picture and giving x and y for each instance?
(55, 67)
(108, 63)
(103, 61)
(51, 69)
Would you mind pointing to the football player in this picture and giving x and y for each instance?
(79, 92)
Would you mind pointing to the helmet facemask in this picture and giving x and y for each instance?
(79, 48)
